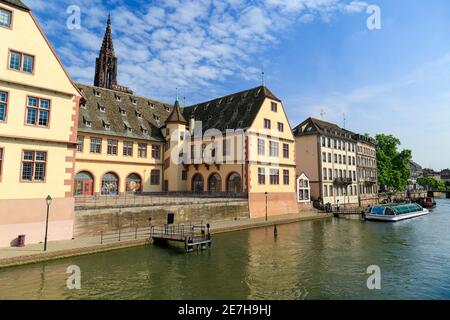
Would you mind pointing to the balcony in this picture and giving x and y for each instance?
(343, 181)
(370, 180)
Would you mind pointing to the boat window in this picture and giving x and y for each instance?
(390, 212)
(378, 210)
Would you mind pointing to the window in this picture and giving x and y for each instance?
(324, 157)
(34, 165)
(3, 105)
(273, 146)
(324, 173)
(142, 150)
(329, 157)
(38, 112)
(274, 107)
(128, 148)
(21, 62)
(330, 174)
(5, 18)
(96, 145)
(303, 189)
(155, 177)
(274, 176)
(80, 140)
(156, 151)
(184, 175)
(285, 150)
(113, 146)
(1, 162)
(335, 158)
(267, 124)
(286, 177)
(261, 175)
(261, 147)
(280, 127)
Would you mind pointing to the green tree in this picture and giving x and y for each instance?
(431, 183)
(393, 165)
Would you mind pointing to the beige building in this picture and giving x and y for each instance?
(366, 163)
(240, 143)
(326, 153)
(38, 131)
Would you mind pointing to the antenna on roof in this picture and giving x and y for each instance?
(177, 94)
(345, 119)
(262, 79)
(184, 101)
(322, 113)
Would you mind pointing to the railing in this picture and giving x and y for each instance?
(140, 199)
(180, 232)
(343, 181)
(125, 235)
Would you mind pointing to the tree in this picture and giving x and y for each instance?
(393, 165)
(431, 183)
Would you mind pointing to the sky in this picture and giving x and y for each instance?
(318, 56)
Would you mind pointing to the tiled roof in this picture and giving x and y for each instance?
(235, 111)
(16, 3)
(176, 116)
(316, 126)
(129, 117)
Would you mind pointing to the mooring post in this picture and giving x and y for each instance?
(275, 231)
(101, 237)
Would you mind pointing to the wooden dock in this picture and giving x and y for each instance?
(192, 235)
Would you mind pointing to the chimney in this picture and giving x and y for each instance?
(192, 125)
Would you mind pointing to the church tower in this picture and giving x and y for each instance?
(106, 64)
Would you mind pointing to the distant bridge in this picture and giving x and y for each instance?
(438, 193)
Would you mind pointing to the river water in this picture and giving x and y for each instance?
(308, 260)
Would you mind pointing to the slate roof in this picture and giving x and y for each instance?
(131, 112)
(235, 111)
(176, 116)
(16, 3)
(316, 126)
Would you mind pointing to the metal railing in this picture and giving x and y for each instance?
(124, 235)
(180, 232)
(151, 199)
(343, 181)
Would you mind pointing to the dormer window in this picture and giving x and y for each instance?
(167, 109)
(220, 102)
(156, 117)
(221, 114)
(101, 108)
(230, 99)
(97, 93)
(83, 106)
(240, 124)
(206, 106)
(123, 112)
(139, 115)
(133, 101)
(118, 98)
(128, 127)
(106, 125)
(87, 122)
(144, 130)
(152, 106)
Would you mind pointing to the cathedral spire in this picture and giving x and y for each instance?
(106, 63)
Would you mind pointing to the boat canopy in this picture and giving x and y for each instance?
(397, 209)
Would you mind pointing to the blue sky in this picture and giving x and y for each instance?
(317, 55)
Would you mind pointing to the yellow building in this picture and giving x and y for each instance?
(326, 153)
(241, 143)
(366, 162)
(38, 116)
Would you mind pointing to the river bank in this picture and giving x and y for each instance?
(10, 257)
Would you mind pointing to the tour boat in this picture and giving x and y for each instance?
(427, 202)
(396, 212)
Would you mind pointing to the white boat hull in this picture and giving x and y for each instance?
(376, 217)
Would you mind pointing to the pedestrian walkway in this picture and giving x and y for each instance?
(67, 248)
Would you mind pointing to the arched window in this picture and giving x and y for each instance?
(133, 183)
(303, 189)
(215, 183)
(197, 183)
(84, 184)
(234, 183)
(110, 184)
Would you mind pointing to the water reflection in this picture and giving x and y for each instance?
(309, 260)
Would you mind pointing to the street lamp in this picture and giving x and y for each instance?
(266, 194)
(48, 200)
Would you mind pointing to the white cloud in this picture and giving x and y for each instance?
(166, 44)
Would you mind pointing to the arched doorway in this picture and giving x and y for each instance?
(133, 183)
(197, 183)
(215, 183)
(234, 183)
(110, 184)
(84, 184)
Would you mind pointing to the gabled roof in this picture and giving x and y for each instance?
(16, 3)
(234, 111)
(122, 111)
(176, 116)
(316, 126)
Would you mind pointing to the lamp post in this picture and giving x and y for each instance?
(48, 200)
(266, 194)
